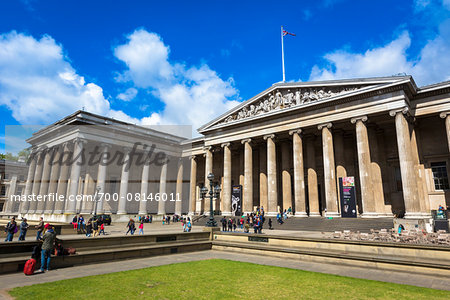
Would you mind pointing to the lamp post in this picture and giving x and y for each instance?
(213, 193)
(97, 190)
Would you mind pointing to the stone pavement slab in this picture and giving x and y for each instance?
(19, 279)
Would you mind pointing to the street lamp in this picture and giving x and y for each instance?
(213, 193)
(97, 190)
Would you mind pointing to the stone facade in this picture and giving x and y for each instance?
(287, 147)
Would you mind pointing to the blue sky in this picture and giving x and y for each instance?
(185, 62)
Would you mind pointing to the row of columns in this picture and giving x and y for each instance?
(371, 183)
(47, 175)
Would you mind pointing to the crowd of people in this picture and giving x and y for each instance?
(12, 228)
(254, 220)
(93, 227)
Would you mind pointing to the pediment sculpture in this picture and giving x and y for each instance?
(281, 99)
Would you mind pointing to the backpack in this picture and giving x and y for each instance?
(30, 265)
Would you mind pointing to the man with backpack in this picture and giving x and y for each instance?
(11, 229)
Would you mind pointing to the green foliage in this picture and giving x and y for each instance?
(9, 156)
(222, 279)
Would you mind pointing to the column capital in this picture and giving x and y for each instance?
(444, 114)
(403, 110)
(246, 141)
(207, 148)
(192, 157)
(126, 149)
(79, 140)
(269, 136)
(361, 118)
(297, 131)
(327, 125)
(225, 145)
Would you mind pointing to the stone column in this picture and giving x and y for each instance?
(226, 192)
(365, 172)
(247, 206)
(313, 192)
(409, 182)
(144, 188)
(272, 192)
(377, 178)
(53, 184)
(179, 188)
(75, 172)
(419, 169)
(101, 176)
(24, 205)
(299, 175)
(43, 189)
(193, 186)
(162, 190)
(40, 155)
(66, 158)
(329, 171)
(286, 177)
(122, 208)
(208, 169)
(339, 152)
(9, 203)
(446, 116)
(263, 177)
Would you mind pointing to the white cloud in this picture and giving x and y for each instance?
(432, 65)
(128, 95)
(39, 85)
(191, 95)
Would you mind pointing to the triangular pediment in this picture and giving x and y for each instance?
(290, 96)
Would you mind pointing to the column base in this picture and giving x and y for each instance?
(139, 213)
(415, 215)
(314, 215)
(124, 213)
(368, 215)
(271, 214)
(227, 213)
(332, 214)
(60, 212)
(48, 212)
(301, 214)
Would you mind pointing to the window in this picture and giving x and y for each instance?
(398, 179)
(19, 190)
(21, 177)
(6, 177)
(440, 178)
(3, 190)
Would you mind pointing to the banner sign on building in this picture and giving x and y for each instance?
(348, 197)
(236, 200)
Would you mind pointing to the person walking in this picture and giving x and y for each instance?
(40, 229)
(102, 229)
(131, 227)
(189, 225)
(95, 227)
(23, 229)
(89, 229)
(141, 228)
(47, 246)
(11, 229)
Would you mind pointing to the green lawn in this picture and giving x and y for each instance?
(222, 279)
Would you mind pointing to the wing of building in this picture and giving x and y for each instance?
(288, 148)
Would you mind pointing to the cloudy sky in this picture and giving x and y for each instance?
(185, 62)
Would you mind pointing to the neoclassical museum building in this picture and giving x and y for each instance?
(288, 147)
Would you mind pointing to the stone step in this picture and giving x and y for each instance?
(320, 224)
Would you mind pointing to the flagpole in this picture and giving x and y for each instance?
(282, 54)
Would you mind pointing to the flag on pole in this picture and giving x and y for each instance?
(286, 33)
